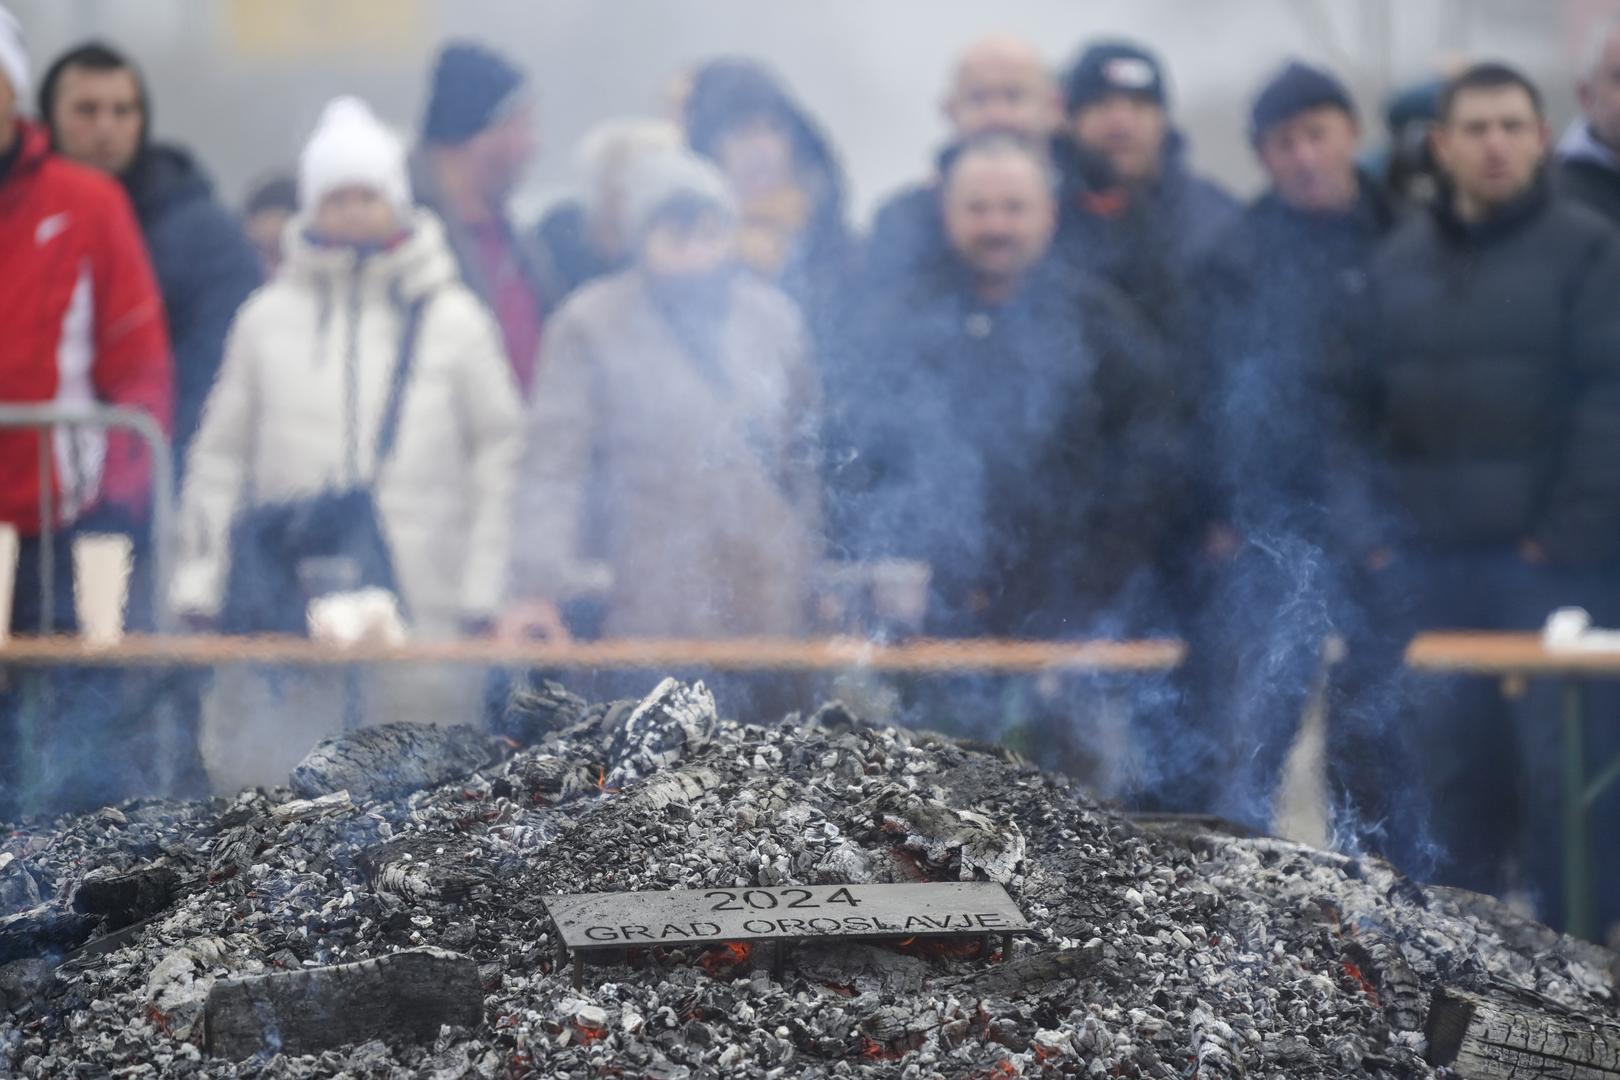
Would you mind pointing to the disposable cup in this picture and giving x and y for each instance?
(101, 565)
(8, 576)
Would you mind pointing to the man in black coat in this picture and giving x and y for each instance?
(1117, 102)
(95, 103)
(1010, 431)
(1289, 451)
(1589, 153)
(1496, 381)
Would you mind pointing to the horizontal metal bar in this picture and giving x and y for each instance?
(149, 431)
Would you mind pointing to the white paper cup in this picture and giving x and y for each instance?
(8, 576)
(101, 565)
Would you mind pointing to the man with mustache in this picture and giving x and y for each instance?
(1496, 384)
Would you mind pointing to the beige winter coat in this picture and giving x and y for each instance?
(689, 500)
(297, 407)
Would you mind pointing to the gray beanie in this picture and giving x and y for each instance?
(660, 179)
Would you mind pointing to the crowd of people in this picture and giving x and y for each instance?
(1077, 388)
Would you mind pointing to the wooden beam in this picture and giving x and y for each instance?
(1486, 1039)
(403, 996)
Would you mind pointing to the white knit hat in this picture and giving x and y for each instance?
(658, 179)
(13, 56)
(352, 147)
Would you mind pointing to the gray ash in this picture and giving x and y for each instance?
(1164, 950)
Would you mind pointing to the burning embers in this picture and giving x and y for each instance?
(1158, 953)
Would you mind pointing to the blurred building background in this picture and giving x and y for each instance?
(241, 81)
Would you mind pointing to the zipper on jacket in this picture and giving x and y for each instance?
(351, 379)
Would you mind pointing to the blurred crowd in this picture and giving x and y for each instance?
(1064, 386)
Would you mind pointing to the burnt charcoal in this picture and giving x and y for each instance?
(43, 930)
(1160, 950)
(1399, 990)
(1028, 973)
(18, 889)
(963, 843)
(537, 710)
(430, 869)
(1485, 1039)
(391, 760)
(1526, 934)
(23, 982)
(127, 897)
(1215, 1047)
(672, 722)
(545, 779)
(405, 996)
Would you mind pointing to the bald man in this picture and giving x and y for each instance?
(1589, 153)
(999, 85)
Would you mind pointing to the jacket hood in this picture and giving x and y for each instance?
(1579, 144)
(163, 175)
(413, 267)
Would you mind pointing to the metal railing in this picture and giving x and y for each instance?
(46, 419)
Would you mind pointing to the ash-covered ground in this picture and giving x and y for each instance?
(1164, 950)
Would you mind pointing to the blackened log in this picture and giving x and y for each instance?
(405, 996)
(125, 898)
(535, 711)
(1485, 1039)
(43, 930)
(1025, 974)
(433, 868)
(392, 760)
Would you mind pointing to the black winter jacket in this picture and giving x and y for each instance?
(205, 268)
(1021, 450)
(1496, 378)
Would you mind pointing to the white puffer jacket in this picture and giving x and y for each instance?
(299, 401)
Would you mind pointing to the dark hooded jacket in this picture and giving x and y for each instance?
(1284, 296)
(818, 271)
(1497, 378)
(205, 268)
(1019, 450)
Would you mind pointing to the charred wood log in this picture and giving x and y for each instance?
(1215, 1047)
(435, 869)
(546, 780)
(1027, 974)
(18, 889)
(43, 930)
(671, 723)
(121, 899)
(1399, 991)
(403, 996)
(535, 711)
(391, 760)
(1485, 1039)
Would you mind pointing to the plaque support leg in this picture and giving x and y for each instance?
(779, 960)
(579, 970)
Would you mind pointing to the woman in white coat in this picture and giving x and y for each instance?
(296, 412)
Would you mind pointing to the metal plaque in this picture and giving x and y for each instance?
(642, 919)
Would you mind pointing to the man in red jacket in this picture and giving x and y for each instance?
(81, 321)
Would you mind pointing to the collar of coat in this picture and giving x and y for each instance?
(416, 266)
(1507, 219)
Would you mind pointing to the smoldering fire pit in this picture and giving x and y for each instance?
(355, 925)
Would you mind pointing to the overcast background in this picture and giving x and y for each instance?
(241, 81)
